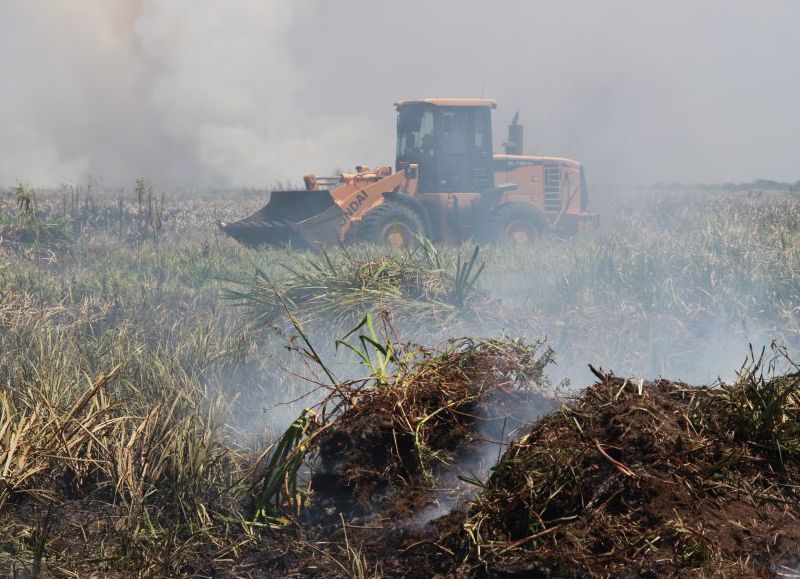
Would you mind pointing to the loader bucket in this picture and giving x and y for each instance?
(305, 219)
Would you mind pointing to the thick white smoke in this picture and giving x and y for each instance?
(186, 91)
(212, 93)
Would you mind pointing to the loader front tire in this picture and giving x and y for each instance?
(514, 224)
(392, 225)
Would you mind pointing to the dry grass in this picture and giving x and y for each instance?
(132, 400)
(410, 289)
(133, 465)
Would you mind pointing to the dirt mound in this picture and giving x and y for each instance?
(384, 457)
(649, 479)
(631, 478)
(435, 415)
(390, 443)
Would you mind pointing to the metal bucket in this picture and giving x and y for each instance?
(305, 219)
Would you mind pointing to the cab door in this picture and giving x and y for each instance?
(465, 150)
(453, 163)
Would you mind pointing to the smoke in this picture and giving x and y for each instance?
(198, 93)
(638, 91)
(185, 92)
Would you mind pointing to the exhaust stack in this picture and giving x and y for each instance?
(514, 145)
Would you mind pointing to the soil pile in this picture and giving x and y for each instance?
(649, 479)
(385, 457)
(631, 478)
(389, 443)
(398, 440)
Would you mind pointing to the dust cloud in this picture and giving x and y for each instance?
(205, 94)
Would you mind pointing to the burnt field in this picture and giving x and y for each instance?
(174, 404)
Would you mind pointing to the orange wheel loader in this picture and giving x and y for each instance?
(447, 184)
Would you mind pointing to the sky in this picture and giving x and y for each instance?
(211, 94)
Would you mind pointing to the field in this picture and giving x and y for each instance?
(154, 376)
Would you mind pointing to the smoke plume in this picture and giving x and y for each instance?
(185, 92)
(203, 93)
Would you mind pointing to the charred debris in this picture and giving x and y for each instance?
(390, 476)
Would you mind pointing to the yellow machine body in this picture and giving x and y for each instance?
(447, 184)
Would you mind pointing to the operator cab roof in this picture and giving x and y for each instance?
(450, 102)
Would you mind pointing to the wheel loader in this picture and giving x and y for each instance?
(447, 184)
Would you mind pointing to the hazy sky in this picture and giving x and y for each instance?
(213, 93)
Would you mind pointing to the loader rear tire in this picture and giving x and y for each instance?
(514, 224)
(392, 225)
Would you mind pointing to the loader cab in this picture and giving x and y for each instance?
(451, 142)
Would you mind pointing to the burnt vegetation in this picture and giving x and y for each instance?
(373, 442)
(172, 404)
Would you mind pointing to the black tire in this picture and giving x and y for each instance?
(514, 224)
(391, 224)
